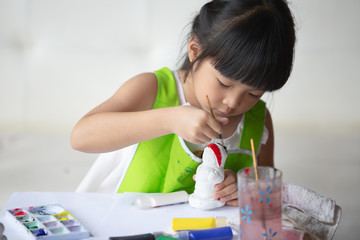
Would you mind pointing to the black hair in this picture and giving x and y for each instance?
(247, 40)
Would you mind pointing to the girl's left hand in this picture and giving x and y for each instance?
(226, 191)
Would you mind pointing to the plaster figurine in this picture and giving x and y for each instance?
(208, 174)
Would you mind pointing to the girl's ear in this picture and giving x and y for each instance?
(193, 48)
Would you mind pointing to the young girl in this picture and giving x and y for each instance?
(153, 128)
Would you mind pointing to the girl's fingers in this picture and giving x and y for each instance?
(222, 120)
(201, 138)
(233, 203)
(203, 135)
(230, 178)
(227, 193)
(216, 126)
(201, 127)
(210, 133)
(227, 189)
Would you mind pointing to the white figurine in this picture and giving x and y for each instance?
(208, 174)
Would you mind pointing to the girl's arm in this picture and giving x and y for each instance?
(127, 118)
(111, 125)
(266, 155)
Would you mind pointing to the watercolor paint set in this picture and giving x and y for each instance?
(48, 222)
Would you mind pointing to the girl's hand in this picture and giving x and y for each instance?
(226, 191)
(195, 125)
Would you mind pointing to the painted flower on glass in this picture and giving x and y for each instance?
(265, 195)
(269, 235)
(246, 213)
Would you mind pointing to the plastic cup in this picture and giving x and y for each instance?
(260, 203)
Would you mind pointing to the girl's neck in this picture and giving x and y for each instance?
(188, 88)
(231, 126)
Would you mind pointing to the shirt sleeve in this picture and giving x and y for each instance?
(265, 136)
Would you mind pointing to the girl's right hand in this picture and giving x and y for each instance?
(195, 125)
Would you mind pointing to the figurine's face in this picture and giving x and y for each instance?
(214, 155)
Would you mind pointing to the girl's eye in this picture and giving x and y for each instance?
(254, 95)
(222, 85)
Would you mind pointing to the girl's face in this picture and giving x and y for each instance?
(228, 98)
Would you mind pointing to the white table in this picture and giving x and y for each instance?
(108, 215)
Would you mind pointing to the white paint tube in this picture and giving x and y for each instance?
(161, 199)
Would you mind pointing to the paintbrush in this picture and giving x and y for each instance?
(263, 223)
(213, 115)
(254, 159)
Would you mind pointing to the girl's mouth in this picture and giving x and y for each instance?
(221, 113)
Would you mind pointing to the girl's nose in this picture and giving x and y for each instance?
(232, 101)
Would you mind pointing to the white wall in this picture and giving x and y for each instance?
(60, 58)
(324, 88)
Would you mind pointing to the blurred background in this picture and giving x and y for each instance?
(59, 59)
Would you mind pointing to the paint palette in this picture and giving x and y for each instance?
(49, 222)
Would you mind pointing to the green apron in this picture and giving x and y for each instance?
(162, 165)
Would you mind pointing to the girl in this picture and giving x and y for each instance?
(153, 128)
